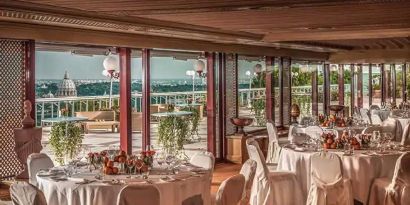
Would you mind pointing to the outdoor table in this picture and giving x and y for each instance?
(189, 182)
(63, 119)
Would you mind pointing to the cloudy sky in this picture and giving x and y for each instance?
(52, 65)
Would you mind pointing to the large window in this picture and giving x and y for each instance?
(136, 100)
(302, 87)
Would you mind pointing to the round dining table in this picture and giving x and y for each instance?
(74, 190)
(362, 168)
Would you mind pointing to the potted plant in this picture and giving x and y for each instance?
(65, 140)
(377, 93)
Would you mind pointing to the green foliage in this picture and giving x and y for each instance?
(173, 132)
(258, 107)
(65, 140)
(194, 119)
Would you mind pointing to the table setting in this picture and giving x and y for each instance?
(99, 176)
(364, 157)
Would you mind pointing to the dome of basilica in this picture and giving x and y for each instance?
(67, 87)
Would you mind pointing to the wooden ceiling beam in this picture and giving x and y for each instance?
(370, 56)
(46, 33)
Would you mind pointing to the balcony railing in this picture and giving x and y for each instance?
(49, 107)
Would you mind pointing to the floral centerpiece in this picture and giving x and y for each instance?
(96, 159)
(148, 157)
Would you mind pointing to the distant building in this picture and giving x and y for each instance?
(67, 87)
(49, 95)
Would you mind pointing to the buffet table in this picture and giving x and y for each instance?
(361, 168)
(75, 191)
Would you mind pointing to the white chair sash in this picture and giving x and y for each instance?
(274, 148)
(248, 171)
(392, 126)
(141, 194)
(23, 193)
(328, 185)
(37, 162)
(231, 190)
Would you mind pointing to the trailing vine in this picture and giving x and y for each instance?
(65, 144)
(258, 107)
(173, 132)
(194, 119)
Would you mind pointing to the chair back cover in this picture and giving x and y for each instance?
(314, 131)
(139, 194)
(231, 190)
(374, 107)
(364, 113)
(37, 162)
(273, 149)
(328, 185)
(398, 192)
(391, 125)
(205, 160)
(405, 139)
(193, 200)
(396, 113)
(375, 118)
(371, 129)
(296, 135)
(23, 193)
(248, 171)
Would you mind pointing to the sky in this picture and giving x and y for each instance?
(52, 65)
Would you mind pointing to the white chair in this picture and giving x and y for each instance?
(396, 113)
(296, 135)
(248, 171)
(139, 194)
(396, 191)
(37, 162)
(405, 139)
(364, 113)
(194, 200)
(274, 148)
(270, 188)
(23, 193)
(314, 131)
(230, 191)
(371, 129)
(205, 160)
(393, 126)
(375, 118)
(374, 107)
(328, 185)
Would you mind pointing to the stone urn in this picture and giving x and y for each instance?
(336, 108)
(241, 122)
(294, 113)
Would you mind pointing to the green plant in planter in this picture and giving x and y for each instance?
(173, 132)
(194, 119)
(258, 107)
(65, 140)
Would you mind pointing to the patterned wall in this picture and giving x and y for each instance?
(231, 91)
(12, 95)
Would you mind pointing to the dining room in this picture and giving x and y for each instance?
(204, 102)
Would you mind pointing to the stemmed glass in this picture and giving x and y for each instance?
(112, 151)
(169, 159)
(130, 165)
(139, 164)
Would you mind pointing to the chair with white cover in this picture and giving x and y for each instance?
(37, 162)
(405, 139)
(374, 107)
(375, 118)
(230, 191)
(328, 185)
(395, 191)
(194, 200)
(371, 129)
(274, 148)
(396, 113)
(364, 113)
(248, 171)
(205, 160)
(23, 193)
(314, 131)
(393, 126)
(270, 188)
(140, 194)
(296, 135)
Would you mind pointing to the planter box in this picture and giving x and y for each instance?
(236, 147)
(377, 93)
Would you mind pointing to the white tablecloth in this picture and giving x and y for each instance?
(361, 169)
(403, 121)
(70, 193)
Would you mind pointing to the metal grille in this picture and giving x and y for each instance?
(231, 92)
(12, 95)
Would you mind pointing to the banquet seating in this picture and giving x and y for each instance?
(139, 194)
(371, 129)
(405, 139)
(374, 107)
(23, 193)
(394, 191)
(375, 118)
(314, 131)
(364, 113)
(37, 162)
(270, 188)
(248, 171)
(274, 148)
(205, 160)
(230, 191)
(328, 185)
(391, 125)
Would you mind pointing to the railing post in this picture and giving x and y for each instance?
(125, 100)
(146, 93)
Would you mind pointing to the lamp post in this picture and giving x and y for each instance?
(249, 74)
(192, 74)
(110, 70)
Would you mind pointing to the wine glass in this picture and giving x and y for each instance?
(111, 151)
(130, 165)
(139, 164)
(169, 159)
